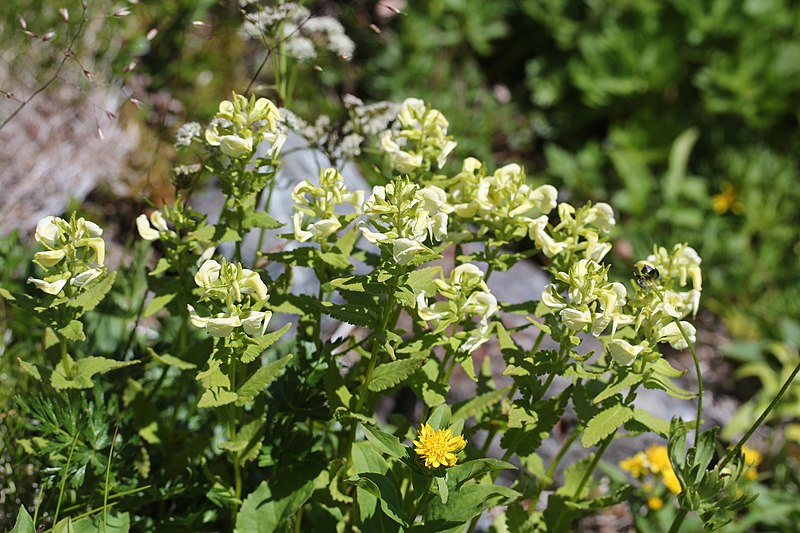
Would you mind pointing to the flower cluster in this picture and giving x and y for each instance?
(438, 447)
(238, 292)
(405, 216)
(241, 124)
(580, 233)
(502, 203)
(419, 139)
(591, 301)
(466, 295)
(315, 217)
(301, 33)
(74, 253)
(154, 228)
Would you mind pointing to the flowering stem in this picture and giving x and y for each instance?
(423, 501)
(65, 359)
(699, 381)
(761, 418)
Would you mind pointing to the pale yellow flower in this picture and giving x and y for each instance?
(438, 447)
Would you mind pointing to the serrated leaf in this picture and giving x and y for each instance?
(424, 383)
(259, 381)
(356, 315)
(338, 261)
(385, 442)
(89, 298)
(391, 374)
(30, 369)
(216, 397)
(360, 283)
(573, 476)
(417, 281)
(254, 350)
(613, 388)
(519, 416)
(248, 441)
(83, 371)
(664, 368)
(260, 219)
(162, 265)
(5, 295)
(157, 303)
(73, 331)
(24, 523)
(479, 404)
(605, 423)
(171, 360)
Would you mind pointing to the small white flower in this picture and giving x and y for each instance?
(623, 352)
(575, 319)
(145, 230)
(53, 287)
(404, 250)
(222, 326)
(672, 334)
(50, 258)
(86, 277)
(208, 274)
(251, 282)
(47, 231)
(256, 322)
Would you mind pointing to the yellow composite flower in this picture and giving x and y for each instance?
(726, 201)
(438, 447)
(658, 460)
(636, 465)
(752, 458)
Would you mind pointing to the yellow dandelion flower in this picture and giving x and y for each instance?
(655, 503)
(636, 465)
(726, 201)
(752, 458)
(658, 462)
(438, 447)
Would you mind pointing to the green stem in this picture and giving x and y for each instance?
(676, 524)
(65, 359)
(64, 478)
(423, 502)
(699, 381)
(761, 418)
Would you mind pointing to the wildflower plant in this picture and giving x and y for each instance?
(280, 416)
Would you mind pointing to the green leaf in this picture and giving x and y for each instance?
(338, 261)
(386, 443)
(653, 423)
(678, 160)
(461, 473)
(5, 295)
(620, 384)
(171, 360)
(260, 219)
(416, 282)
(357, 315)
(259, 381)
(519, 416)
(30, 369)
(265, 512)
(82, 372)
(248, 441)
(88, 299)
(73, 331)
(114, 523)
(573, 476)
(440, 417)
(391, 374)
(605, 423)
(425, 384)
(479, 404)
(216, 397)
(441, 484)
(387, 493)
(468, 502)
(157, 303)
(24, 523)
(360, 283)
(256, 349)
(658, 382)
